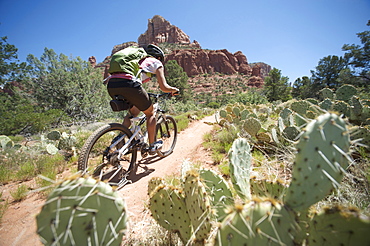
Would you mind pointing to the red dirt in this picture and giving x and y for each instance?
(18, 225)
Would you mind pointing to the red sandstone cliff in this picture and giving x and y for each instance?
(198, 61)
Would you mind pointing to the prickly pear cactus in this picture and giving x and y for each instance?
(199, 207)
(51, 149)
(320, 162)
(168, 208)
(345, 92)
(259, 222)
(154, 183)
(185, 210)
(300, 107)
(347, 226)
(263, 137)
(54, 135)
(326, 104)
(223, 113)
(326, 93)
(67, 141)
(291, 132)
(219, 191)
(240, 167)
(265, 188)
(82, 211)
(236, 111)
(5, 142)
(342, 108)
(252, 126)
(285, 113)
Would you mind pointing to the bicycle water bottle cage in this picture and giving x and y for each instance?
(119, 103)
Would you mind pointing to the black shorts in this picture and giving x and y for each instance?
(132, 91)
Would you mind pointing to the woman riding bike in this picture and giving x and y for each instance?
(131, 67)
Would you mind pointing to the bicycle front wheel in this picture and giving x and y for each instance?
(99, 155)
(167, 132)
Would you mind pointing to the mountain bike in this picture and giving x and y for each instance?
(110, 153)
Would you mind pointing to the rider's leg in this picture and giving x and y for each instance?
(150, 123)
(134, 111)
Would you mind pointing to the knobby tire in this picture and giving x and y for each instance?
(167, 132)
(92, 159)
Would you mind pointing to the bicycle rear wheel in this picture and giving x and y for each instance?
(167, 132)
(99, 155)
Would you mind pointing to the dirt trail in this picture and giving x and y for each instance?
(19, 226)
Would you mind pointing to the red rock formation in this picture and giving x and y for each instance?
(256, 81)
(262, 70)
(92, 61)
(161, 31)
(256, 70)
(198, 61)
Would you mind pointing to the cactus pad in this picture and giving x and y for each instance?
(341, 107)
(223, 113)
(168, 208)
(339, 226)
(82, 211)
(67, 141)
(345, 92)
(259, 222)
(326, 93)
(240, 166)
(252, 126)
(154, 183)
(218, 190)
(291, 132)
(54, 135)
(266, 188)
(5, 142)
(320, 162)
(263, 137)
(326, 104)
(285, 113)
(300, 107)
(199, 207)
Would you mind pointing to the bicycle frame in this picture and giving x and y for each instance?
(137, 134)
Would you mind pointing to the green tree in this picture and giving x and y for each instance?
(9, 64)
(71, 85)
(359, 57)
(18, 116)
(176, 77)
(277, 86)
(302, 88)
(327, 72)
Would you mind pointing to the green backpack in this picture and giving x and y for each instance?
(127, 61)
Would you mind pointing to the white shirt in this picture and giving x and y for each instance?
(149, 66)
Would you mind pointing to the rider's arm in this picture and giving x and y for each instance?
(163, 83)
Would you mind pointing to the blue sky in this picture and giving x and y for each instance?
(290, 35)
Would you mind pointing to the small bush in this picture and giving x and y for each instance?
(3, 206)
(20, 193)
